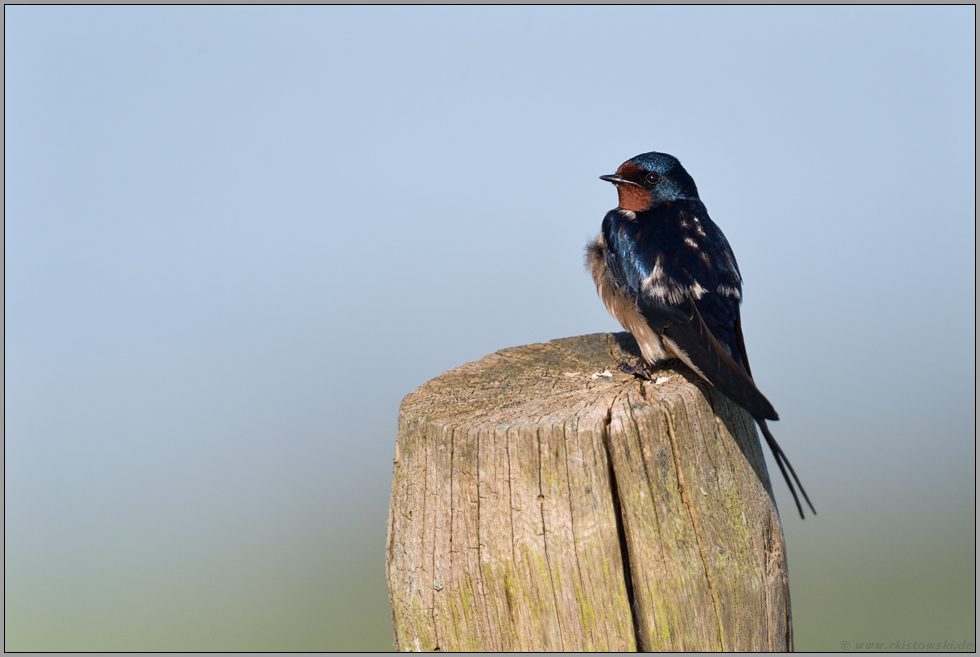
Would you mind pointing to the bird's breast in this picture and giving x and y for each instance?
(621, 304)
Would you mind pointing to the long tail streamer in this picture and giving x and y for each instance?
(777, 453)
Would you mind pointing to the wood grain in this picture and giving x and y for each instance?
(544, 500)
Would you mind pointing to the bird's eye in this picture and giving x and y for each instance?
(652, 178)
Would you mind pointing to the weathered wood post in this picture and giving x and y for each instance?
(543, 500)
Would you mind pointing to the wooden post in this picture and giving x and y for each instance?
(544, 500)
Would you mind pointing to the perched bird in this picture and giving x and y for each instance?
(666, 272)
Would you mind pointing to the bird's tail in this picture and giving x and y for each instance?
(777, 453)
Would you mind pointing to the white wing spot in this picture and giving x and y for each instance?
(658, 284)
(729, 291)
(654, 277)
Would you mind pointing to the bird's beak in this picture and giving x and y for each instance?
(616, 180)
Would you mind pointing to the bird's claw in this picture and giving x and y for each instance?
(638, 370)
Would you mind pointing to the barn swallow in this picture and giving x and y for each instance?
(666, 272)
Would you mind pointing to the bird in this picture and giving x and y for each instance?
(666, 272)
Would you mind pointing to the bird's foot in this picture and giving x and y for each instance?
(638, 370)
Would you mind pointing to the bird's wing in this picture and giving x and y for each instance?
(665, 291)
(740, 343)
(693, 342)
(635, 271)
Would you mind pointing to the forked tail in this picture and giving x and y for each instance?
(777, 453)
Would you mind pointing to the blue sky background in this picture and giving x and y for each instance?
(235, 238)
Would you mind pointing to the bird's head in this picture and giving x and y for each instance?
(652, 179)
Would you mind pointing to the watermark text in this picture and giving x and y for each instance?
(908, 645)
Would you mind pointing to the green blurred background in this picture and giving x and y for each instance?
(235, 238)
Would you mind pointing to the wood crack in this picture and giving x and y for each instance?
(656, 511)
(621, 531)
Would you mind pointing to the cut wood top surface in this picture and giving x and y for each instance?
(522, 384)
